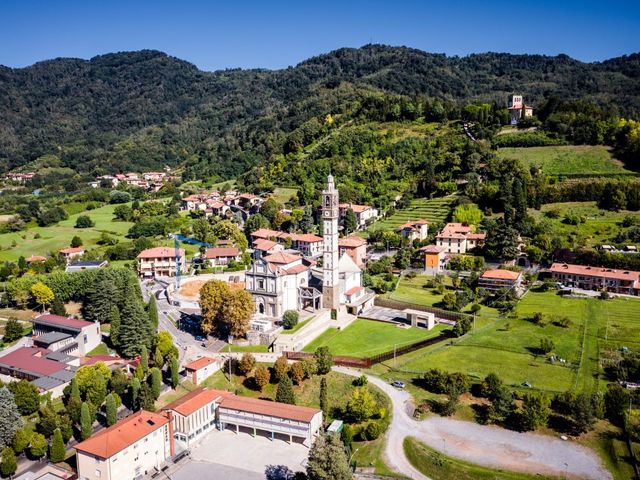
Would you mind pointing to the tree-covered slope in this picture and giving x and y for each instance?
(142, 110)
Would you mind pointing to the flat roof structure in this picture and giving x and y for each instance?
(266, 407)
(59, 321)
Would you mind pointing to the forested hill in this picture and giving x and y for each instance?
(141, 110)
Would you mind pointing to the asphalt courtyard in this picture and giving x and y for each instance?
(242, 456)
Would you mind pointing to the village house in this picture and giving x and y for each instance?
(434, 258)
(72, 252)
(160, 262)
(201, 369)
(35, 259)
(518, 109)
(266, 247)
(19, 177)
(415, 231)
(132, 448)
(365, 214)
(221, 256)
(355, 247)
(459, 238)
(497, 279)
(597, 278)
(308, 244)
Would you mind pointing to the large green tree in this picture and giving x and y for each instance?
(57, 452)
(152, 307)
(8, 464)
(111, 410)
(135, 329)
(26, 396)
(85, 422)
(328, 459)
(284, 392)
(10, 419)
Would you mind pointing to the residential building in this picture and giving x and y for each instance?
(434, 258)
(46, 369)
(498, 279)
(518, 109)
(35, 259)
(194, 415)
(160, 262)
(459, 238)
(415, 231)
(139, 445)
(85, 265)
(201, 369)
(268, 234)
(72, 252)
(281, 420)
(308, 244)
(365, 214)
(220, 256)
(266, 247)
(355, 247)
(597, 278)
(82, 336)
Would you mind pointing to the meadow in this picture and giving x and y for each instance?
(436, 210)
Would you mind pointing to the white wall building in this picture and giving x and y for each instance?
(65, 334)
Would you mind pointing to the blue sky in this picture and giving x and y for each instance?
(275, 34)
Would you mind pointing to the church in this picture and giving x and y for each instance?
(284, 280)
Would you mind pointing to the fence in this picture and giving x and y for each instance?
(397, 305)
(382, 357)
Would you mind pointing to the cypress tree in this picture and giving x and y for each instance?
(174, 372)
(111, 410)
(158, 359)
(9, 464)
(284, 394)
(145, 399)
(144, 359)
(57, 452)
(156, 382)
(153, 311)
(85, 421)
(135, 392)
(134, 331)
(115, 326)
(323, 396)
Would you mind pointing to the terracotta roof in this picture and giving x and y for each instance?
(432, 249)
(477, 236)
(267, 233)
(353, 291)
(31, 360)
(35, 258)
(413, 225)
(282, 258)
(354, 207)
(307, 237)
(195, 400)
(628, 275)
(353, 241)
(51, 319)
(296, 269)
(264, 244)
(160, 252)
(266, 407)
(221, 252)
(199, 363)
(67, 251)
(123, 434)
(500, 274)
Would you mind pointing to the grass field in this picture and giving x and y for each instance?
(567, 159)
(284, 194)
(298, 326)
(600, 226)
(433, 210)
(364, 338)
(55, 237)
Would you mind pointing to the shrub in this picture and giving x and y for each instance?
(546, 345)
(290, 319)
(84, 221)
(361, 381)
(372, 431)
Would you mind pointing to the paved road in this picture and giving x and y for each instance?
(485, 445)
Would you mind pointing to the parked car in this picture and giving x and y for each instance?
(199, 339)
(398, 384)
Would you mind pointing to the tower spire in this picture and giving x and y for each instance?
(330, 215)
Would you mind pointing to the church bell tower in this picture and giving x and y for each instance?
(330, 214)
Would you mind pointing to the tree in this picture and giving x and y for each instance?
(144, 359)
(145, 398)
(237, 312)
(114, 332)
(174, 372)
(225, 311)
(42, 294)
(213, 294)
(328, 459)
(324, 361)
(261, 376)
(583, 413)
(39, 446)
(468, 213)
(92, 382)
(10, 420)
(65, 424)
(101, 297)
(546, 345)
(616, 402)
(76, 242)
(269, 209)
(361, 405)
(85, 422)
(84, 221)
(58, 451)
(153, 311)
(26, 396)
(281, 368)
(164, 345)
(324, 405)
(534, 412)
(255, 222)
(48, 420)
(21, 439)
(279, 472)
(135, 393)
(74, 404)
(350, 223)
(9, 464)
(501, 404)
(12, 331)
(502, 241)
(246, 364)
(290, 319)
(297, 373)
(156, 382)
(135, 328)
(284, 393)
(111, 410)
(58, 308)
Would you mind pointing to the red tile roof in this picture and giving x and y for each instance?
(123, 434)
(36, 258)
(31, 359)
(268, 233)
(160, 252)
(264, 244)
(217, 252)
(307, 237)
(195, 400)
(354, 207)
(67, 251)
(352, 242)
(199, 363)
(265, 407)
(51, 319)
(500, 274)
(296, 269)
(353, 291)
(413, 225)
(627, 275)
(432, 249)
(282, 258)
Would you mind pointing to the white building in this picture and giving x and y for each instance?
(132, 448)
(459, 238)
(65, 334)
(417, 230)
(160, 262)
(201, 369)
(365, 214)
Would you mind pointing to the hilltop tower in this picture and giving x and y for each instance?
(330, 215)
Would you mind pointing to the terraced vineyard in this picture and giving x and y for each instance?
(432, 210)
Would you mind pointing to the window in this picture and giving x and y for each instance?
(97, 473)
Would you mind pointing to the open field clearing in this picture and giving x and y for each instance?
(433, 210)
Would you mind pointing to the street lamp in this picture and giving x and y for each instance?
(230, 339)
(351, 457)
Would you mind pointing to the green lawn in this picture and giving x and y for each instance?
(364, 338)
(101, 349)
(600, 226)
(249, 348)
(55, 237)
(284, 194)
(298, 326)
(434, 210)
(567, 159)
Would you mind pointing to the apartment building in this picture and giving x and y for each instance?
(365, 214)
(221, 256)
(459, 238)
(597, 278)
(132, 448)
(434, 258)
(355, 247)
(497, 279)
(160, 262)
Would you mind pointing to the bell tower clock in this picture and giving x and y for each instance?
(330, 216)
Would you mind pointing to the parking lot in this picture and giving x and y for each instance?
(241, 453)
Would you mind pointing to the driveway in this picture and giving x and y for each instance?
(484, 445)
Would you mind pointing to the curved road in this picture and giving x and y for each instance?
(493, 447)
